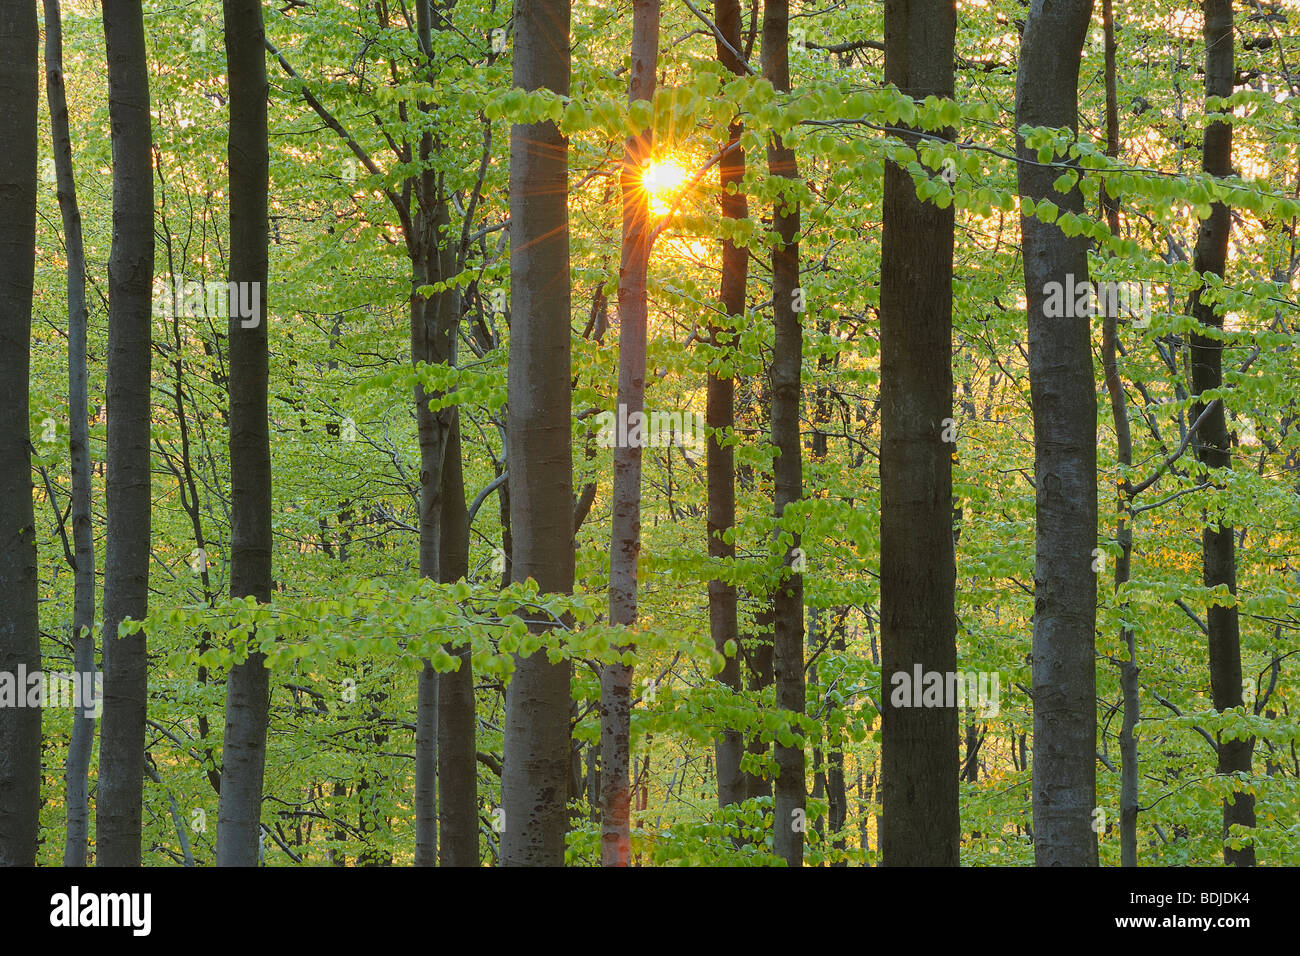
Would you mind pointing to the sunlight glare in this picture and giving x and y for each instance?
(662, 179)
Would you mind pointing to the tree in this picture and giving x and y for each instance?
(77, 767)
(535, 766)
(1212, 442)
(787, 400)
(1128, 669)
(918, 625)
(446, 700)
(127, 493)
(457, 755)
(20, 647)
(248, 692)
(625, 540)
(720, 413)
(444, 710)
(1064, 402)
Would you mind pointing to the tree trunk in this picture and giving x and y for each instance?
(760, 677)
(1065, 456)
(625, 543)
(1213, 444)
(720, 417)
(426, 766)
(535, 770)
(426, 348)
(457, 756)
(20, 642)
(248, 694)
(757, 647)
(837, 799)
(77, 766)
(787, 365)
(127, 491)
(1128, 669)
(920, 824)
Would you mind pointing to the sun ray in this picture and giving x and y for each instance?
(662, 179)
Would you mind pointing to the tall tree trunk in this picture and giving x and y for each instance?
(457, 756)
(426, 766)
(625, 543)
(77, 766)
(457, 764)
(1065, 456)
(1128, 669)
(445, 703)
(432, 441)
(20, 642)
(837, 799)
(720, 415)
(756, 647)
(535, 771)
(1213, 444)
(787, 367)
(422, 247)
(920, 823)
(127, 490)
(759, 678)
(248, 693)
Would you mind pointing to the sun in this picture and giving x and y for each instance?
(662, 179)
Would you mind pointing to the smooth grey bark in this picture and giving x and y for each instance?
(625, 534)
(720, 415)
(535, 772)
(790, 788)
(20, 644)
(426, 766)
(77, 765)
(248, 691)
(1128, 669)
(920, 822)
(457, 755)
(127, 488)
(422, 248)
(1213, 444)
(446, 771)
(1064, 403)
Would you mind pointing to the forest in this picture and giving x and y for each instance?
(821, 433)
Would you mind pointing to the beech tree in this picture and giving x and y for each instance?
(248, 690)
(918, 625)
(536, 759)
(625, 542)
(721, 413)
(1064, 402)
(786, 375)
(127, 497)
(1212, 441)
(20, 648)
(77, 766)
